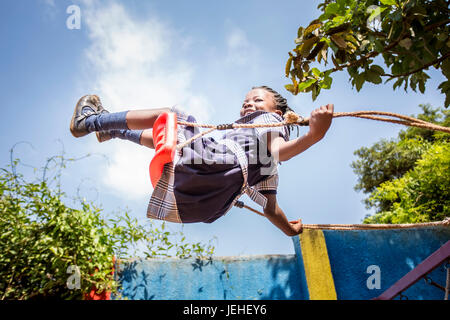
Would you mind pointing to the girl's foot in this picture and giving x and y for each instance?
(87, 105)
(103, 136)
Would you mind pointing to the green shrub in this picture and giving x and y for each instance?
(42, 239)
(420, 195)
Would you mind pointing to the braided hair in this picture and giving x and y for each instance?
(280, 102)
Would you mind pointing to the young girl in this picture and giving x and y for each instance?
(207, 177)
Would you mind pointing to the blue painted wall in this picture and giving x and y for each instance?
(229, 278)
(280, 277)
(395, 252)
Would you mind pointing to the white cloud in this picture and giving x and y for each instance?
(50, 3)
(132, 66)
(50, 9)
(240, 51)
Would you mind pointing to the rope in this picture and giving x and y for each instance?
(240, 204)
(292, 118)
(189, 141)
(445, 222)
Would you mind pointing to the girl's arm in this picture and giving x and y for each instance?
(319, 123)
(274, 213)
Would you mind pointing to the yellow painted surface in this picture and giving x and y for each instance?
(317, 265)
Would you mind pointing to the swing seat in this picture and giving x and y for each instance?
(165, 142)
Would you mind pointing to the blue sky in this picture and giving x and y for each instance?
(202, 55)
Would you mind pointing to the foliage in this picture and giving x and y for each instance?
(407, 178)
(410, 36)
(422, 194)
(41, 237)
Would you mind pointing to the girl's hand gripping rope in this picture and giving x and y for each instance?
(320, 122)
(297, 226)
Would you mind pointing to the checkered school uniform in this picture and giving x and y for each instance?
(181, 194)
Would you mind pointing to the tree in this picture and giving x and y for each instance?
(409, 35)
(407, 178)
(43, 240)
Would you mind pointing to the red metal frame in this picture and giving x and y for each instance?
(424, 268)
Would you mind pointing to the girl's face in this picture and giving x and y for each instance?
(259, 100)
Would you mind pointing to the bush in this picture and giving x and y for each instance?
(45, 243)
(407, 178)
(421, 195)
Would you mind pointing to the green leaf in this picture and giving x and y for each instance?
(359, 81)
(339, 41)
(323, 54)
(373, 77)
(315, 91)
(374, 14)
(311, 28)
(406, 43)
(332, 9)
(338, 20)
(326, 83)
(377, 69)
(422, 86)
(442, 36)
(352, 71)
(317, 72)
(378, 46)
(304, 85)
(396, 15)
(288, 66)
(388, 2)
(290, 88)
(318, 47)
(398, 83)
(307, 45)
(445, 66)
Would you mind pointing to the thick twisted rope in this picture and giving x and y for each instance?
(445, 222)
(291, 118)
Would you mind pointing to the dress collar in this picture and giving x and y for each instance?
(255, 114)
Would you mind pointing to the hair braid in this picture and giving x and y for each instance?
(280, 101)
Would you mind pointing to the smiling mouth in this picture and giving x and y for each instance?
(246, 112)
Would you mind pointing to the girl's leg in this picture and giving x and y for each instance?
(141, 137)
(133, 120)
(124, 134)
(147, 139)
(143, 119)
(90, 116)
(131, 125)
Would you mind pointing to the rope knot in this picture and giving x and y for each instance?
(291, 117)
(239, 204)
(446, 221)
(224, 126)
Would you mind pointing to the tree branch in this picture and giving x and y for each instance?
(369, 55)
(372, 54)
(388, 47)
(445, 56)
(437, 24)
